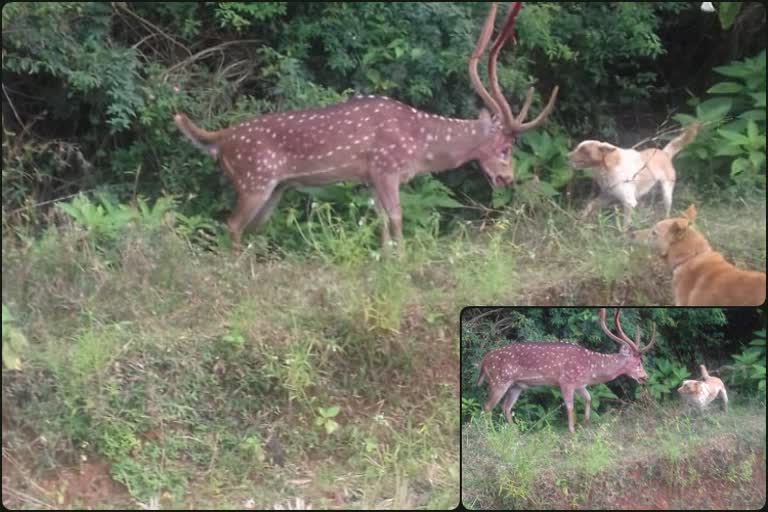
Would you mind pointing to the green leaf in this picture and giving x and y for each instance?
(725, 88)
(734, 137)
(752, 131)
(759, 99)
(703, 154)
(331, 427)
(727, 12)
(738, 70)
(684, 119)
(726, 150)
(757, 159)
(713, 109)
(739, 166)
(754, 115)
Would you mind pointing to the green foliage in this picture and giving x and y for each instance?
(325, 419)
(734, 150)
(241, 15)
(96, 73)
(14, 341)
(683, 335)
(105, 220)
(664, 377)
(112, 75)
(252, 445)
(748, 369)
(470, 407)
(727, 12)
(543, 158)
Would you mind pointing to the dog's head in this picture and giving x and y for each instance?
(690, 387)
(668, 231)
(593, 154)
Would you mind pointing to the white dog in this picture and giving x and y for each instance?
(700, 393)
(625, 175)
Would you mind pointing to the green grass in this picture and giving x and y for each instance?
(178, 365)
(616, 461)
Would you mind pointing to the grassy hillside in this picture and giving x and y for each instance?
(646, 457)
(196, 377)
(208, 380)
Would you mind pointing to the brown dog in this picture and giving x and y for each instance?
(626, 175)
(700, 393)
(700, 275)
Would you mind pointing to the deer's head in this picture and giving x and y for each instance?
(630, 350)
(495, 155)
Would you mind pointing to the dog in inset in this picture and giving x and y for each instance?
(698, 394)
(626, 175)
(700, 275)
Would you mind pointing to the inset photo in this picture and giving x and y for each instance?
(620, 408)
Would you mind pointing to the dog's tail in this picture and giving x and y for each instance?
(208, 141)
(685, 138)
(704, 372)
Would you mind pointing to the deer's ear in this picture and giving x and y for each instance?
(485, 121)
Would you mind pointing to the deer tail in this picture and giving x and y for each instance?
(201, 138)
(704, 372)
(675, 145)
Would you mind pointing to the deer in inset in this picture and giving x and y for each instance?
(369, 139)
(512, 369)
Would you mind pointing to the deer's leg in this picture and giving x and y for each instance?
(509, 401)
(583, 393)
(567, 392)
(249, 204)
(385, 238)
(386, 186)
(497, 391)
(266, 211)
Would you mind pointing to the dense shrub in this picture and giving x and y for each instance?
(89, 105)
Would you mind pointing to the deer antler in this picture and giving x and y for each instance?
(482, 42)
(636, 343)
(623, 338)
(496, 102)
(506, 33)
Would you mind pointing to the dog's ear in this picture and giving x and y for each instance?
(690, 213)
(609, 154)
(679, 227)
(605, 147)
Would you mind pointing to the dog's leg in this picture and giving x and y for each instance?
(627, 215)
(724, 396)
(599, 201)
(667, 187)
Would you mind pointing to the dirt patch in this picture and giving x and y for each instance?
(87, 485)
(692, 487)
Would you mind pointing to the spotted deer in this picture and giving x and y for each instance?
(373, 140)
(512, 369)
